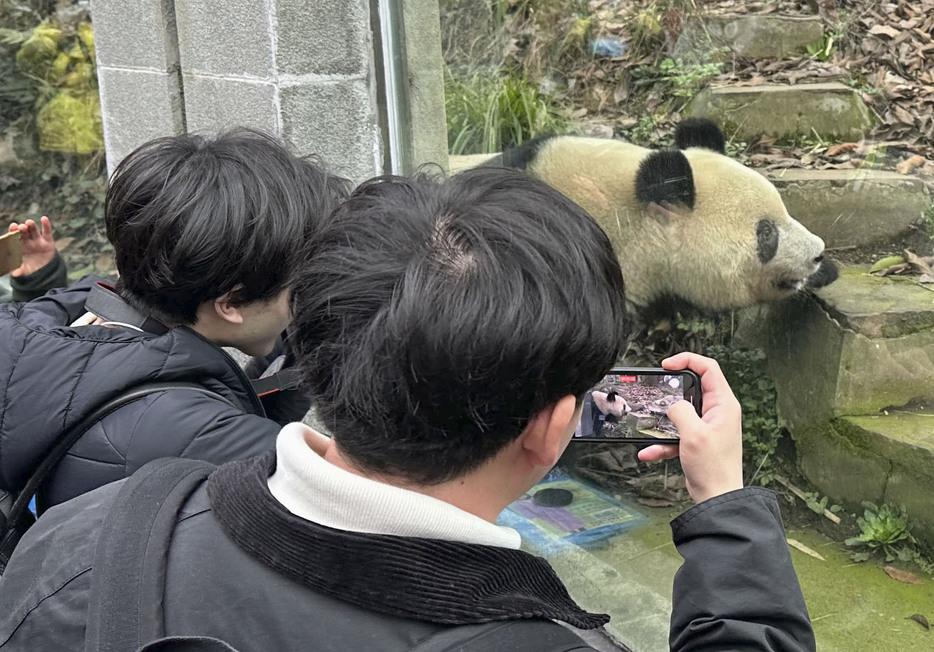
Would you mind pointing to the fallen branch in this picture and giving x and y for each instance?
(800, 494)
(794, 543)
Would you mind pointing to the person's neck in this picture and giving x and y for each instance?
(481, 492)
(209, 328)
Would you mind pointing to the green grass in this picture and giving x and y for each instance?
(929, 221)
(487, 113)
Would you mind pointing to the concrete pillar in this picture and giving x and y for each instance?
(299, 69)
(138, 73)
(311, 72)
(428, 137)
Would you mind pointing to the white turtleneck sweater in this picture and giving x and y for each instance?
(314, 489)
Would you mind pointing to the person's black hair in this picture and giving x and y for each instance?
(192, 218)
(435, 319)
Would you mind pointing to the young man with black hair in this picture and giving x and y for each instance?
(448, 333)
(207, 234)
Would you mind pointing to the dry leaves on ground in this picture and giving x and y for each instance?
(902, 575)
(920, 619)
(910, 263)
(884, 49)
(910, 164)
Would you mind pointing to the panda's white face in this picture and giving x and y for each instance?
(739, 215)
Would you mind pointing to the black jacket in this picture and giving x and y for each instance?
(243, 569)
(52, 375)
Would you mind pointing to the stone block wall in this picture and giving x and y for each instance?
(286, 66)
(138, 73)
(304, 71)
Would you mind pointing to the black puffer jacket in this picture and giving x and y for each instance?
(52, 375)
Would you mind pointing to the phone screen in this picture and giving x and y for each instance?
(631, 404)
(11, 254)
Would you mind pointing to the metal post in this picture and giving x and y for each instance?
(394, 89)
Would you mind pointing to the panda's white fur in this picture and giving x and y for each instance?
(706, 256)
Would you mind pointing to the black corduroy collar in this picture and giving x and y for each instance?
(443, 582)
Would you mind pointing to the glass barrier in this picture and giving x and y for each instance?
(827, 107)
(51, 139)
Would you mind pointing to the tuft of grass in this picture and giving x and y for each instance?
(882, 528)
(686, 79)
(644, 132)
(823, 50)
(487, 113)
(929, 221)
(887, 529)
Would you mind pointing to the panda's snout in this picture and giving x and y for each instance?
(816, 263)
(826, 273)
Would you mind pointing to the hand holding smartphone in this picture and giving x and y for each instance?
(11, 252)
(630, 405)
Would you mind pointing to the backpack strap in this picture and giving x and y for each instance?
(104, 302)
(125, 608)
(14, 522)
(512, 635)
(187, 644)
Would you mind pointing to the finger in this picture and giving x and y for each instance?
(13, 227)
(46, 226)
(684, 416)
(712, 378)
(657, 452)
(30, 229)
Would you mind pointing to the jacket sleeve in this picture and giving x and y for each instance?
(53, 274)
(201, 429)
(737, 588)
(57, 307)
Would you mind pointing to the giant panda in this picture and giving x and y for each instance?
(692, 227)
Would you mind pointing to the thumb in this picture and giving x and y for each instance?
(657, 452)
(684, 416)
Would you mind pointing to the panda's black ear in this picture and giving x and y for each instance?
(700, 132)
(665, 176)
(520, 157)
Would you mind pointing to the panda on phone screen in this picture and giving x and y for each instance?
(690, 225)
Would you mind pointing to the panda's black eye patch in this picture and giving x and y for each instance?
(766, 240)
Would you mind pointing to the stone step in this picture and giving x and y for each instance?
(853, 367)
(853, 208)
(860, 345)
(832, 110)
(753, 37)
(887, 458)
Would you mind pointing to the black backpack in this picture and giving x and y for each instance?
(125, 612)
(15, 517)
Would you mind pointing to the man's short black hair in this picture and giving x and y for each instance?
(435, 318)
(192, 218)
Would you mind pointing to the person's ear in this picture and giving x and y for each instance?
(546, 435)
(227, 310)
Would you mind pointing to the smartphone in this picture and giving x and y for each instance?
(11, 252)
(630, 405)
